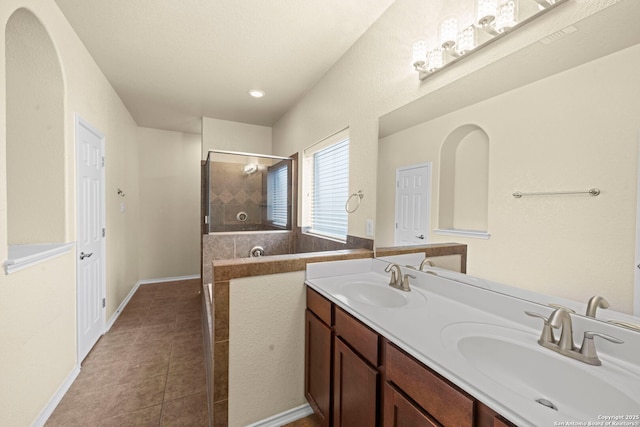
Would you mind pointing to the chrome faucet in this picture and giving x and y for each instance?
(593, 304)
(396, 274)
(561, 318)
(397, 280)
(424, 263)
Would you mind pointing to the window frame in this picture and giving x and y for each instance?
(274, 172)
(309, 184)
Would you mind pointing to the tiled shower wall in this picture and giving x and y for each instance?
(232, 191)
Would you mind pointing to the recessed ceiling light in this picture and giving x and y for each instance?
(256, 93)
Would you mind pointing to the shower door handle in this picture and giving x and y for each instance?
(83, 255)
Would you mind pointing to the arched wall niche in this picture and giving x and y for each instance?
(35, 133)
(464, 182)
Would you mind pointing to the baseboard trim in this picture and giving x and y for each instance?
(56, 398)
(126, 300)
(285, 417)
(167, 279)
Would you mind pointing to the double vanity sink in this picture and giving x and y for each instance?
(485, 344)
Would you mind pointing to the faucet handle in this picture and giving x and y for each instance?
(570, 310)
(588, 348)
(405, 282)
(547, 334)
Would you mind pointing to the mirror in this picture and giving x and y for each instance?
(561, 131)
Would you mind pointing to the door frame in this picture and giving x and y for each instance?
(79, 121)
(427, 195)
(636, 265)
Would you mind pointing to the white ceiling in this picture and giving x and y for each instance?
(174, 61)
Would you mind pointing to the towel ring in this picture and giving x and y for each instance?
(359, 196)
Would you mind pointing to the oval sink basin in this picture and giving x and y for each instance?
(383, 296)
(567, 388)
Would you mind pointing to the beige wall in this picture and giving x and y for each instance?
(169, 203)
(37, 305)
(266, 346)
(575, 130)
(375, 78)
(35, 134)
(234, 136)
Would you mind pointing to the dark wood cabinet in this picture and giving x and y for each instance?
(355, 377)
(318, 356)
(355, 389)
(442, 400)
(400, 412)
(317, 382)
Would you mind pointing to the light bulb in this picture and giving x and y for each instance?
(448, 32)
(466, 40)
(256, 93)
(506, 17)
(419, 52)
(487, 11)
(435, 59)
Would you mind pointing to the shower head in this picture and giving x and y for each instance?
(251, 168)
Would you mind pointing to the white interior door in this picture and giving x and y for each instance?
(413, 188)
(90, 280)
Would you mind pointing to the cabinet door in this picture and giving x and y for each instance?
(399, 412)
(317, 380)
(355, 389)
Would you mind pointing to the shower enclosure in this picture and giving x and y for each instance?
(246, 192)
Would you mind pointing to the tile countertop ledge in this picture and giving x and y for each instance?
(25, 256)
(419, 333)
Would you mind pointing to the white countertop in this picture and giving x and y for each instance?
(425, 333)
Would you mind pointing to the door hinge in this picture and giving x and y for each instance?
(102, 161)
(104, 302)
(104, 232)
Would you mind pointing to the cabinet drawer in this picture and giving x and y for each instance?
(441, 400)
(320, 306)
(357, 335)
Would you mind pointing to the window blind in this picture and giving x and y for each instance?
(277, 195)
(328, 184)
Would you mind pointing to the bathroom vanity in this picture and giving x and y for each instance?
(451, 354)
(375, 380)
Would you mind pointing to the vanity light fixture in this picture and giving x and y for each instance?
(256, 93)
(494, 19)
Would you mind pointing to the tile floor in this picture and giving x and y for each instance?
(310, 421)
(148, 370)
